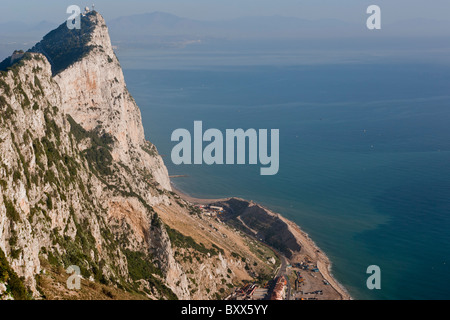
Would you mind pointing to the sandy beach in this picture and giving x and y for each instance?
(309, 249)
(193, 200)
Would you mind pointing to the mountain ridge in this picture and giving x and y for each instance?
(274, 26)
(81, 186)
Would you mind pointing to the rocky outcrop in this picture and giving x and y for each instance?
(27, 90)
(79, 182)
(161, 247)
(94, 93)
(62, 189)
(261, 223)
(48, 207)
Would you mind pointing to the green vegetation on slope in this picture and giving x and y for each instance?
(15, 285)
(140, 267)
(99, 154)
(181, 241)
(63, 46)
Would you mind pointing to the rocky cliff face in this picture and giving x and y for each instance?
(95, 95)
(54, 206)
(81, 186)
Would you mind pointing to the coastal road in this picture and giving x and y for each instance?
(288, 291)
(283, 271)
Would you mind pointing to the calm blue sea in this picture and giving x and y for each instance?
(364, 157)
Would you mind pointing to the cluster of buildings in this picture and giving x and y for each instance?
(298, 281)
(279, 289)
(307, 266)
(87, 10)
(249, 292)
(210, 211)
(246, 292)
(254, 292)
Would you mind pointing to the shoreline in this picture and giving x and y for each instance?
(324, 264)
(194, 200)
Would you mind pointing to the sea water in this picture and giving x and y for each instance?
(364, 156)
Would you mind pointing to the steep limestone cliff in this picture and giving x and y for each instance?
(81, 186)
(95, 95)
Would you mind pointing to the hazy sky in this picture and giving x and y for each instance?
(347, 10)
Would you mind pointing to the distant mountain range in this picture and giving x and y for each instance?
(160, 24)
(165, 28)
(164, 24)
(19, 35)
(21, 30)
